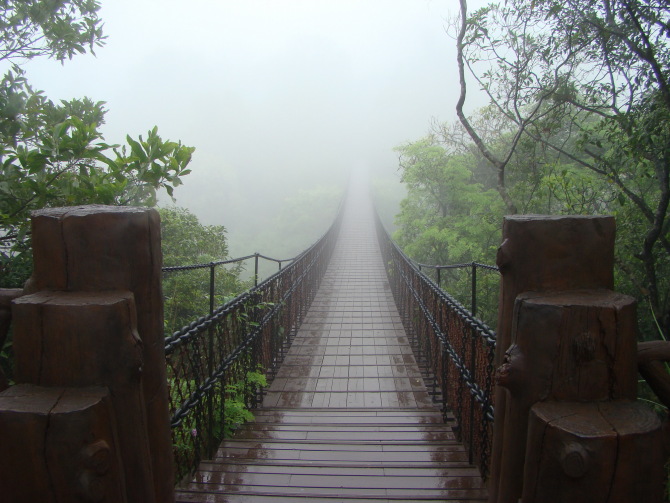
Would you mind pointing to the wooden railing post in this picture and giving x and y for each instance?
(567, 427)
(7, 295)
(90, 363)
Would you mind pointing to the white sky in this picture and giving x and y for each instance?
(274, 94)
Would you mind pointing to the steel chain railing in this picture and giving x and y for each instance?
(455, 349)
(213, 358)
(475, 284)
(237, 260)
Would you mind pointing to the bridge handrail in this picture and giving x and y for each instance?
(472, 266)
(224, 262)
(182, 335)
(473, 321)
(210, 359)
(454, 266)
(455, 347)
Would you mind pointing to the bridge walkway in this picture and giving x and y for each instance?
(348, 417)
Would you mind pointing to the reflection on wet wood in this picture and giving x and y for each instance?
(348, 415)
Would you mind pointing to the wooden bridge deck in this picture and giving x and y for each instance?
(348, 417)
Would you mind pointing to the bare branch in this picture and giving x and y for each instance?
(499, 165)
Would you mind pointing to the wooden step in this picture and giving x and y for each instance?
(339, 454)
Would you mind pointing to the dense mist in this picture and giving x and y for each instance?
(282, 99)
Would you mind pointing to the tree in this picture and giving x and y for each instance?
(185, 241)
(56, 29)
(54, 154)
(589, 83)
(448, 217)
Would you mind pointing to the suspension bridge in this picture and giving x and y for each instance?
(381, 385)
(348, 414)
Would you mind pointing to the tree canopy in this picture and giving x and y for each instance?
(186, 241)
(53, 154)
(57, 29)
(578, 120)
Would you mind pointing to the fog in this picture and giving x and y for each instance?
(277, 96)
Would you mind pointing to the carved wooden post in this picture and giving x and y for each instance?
(58, 446)
(542, 254)
(79, 339)
(115, 248)
(609, 452)
(572, 368)
(92, 316)
(570, 341)
(7, 295)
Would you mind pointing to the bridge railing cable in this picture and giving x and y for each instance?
(454, 348)
(211, 361)
(483, 292)
(206, 286)
(237, 260)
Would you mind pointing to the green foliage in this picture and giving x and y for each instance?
(447, 216)
(238, 396)
(186, 241)
(583, 90)
(53, 154)
(56, 29)
(230, 410)
(253, 312)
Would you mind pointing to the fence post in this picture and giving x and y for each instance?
(212, 271)
(566, 350)
(7, 295)
(256, 269)
(473, 292)
(92, 316)
(210, 364)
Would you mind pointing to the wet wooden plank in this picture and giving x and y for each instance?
(348, 416)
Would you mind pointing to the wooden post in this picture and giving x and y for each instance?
(7, 295)
(545, 363)
(101, 248)
(594, 452)
(652, 357)
(79, 339)
(542, 253)
(573, 361)
(92, 315)
(58, 446)
(567, 426)
(575, 345)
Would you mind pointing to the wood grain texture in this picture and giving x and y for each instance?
(651, 359)
(544, 253)
(100, 248)
(78, 339)
(7, 295)
(567, 346)
(593, 453)
(58, 445)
